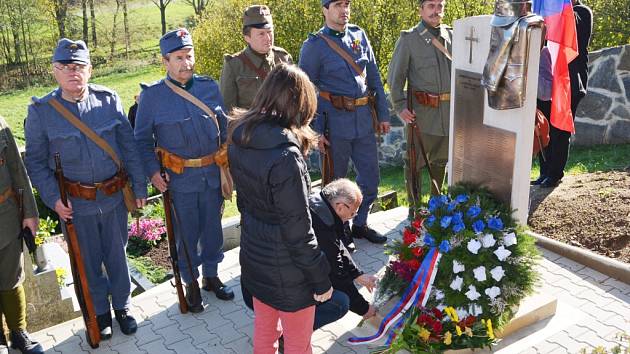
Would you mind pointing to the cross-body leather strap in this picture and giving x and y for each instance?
(436, 43)
(194, 100)
(100, 142)
(249, 63)
(334, 46)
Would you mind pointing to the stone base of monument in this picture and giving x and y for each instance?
(533, 309)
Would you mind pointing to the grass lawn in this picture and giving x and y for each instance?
(14, 104)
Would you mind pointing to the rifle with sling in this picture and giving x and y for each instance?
(411, 153)
(77, 266)
(169, 213)
(327, 163)
(413, 128)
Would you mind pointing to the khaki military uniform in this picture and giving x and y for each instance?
(240, 82)
(418, 64)
(12, 177)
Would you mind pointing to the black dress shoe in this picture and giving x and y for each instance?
(4, 348)
(538, 181)
(193, 298)
(104, 322)
(550, 183)
(128, 324)
(21, 341)
(215, 285)
(367, 233)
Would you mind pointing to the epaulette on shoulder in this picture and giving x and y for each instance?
(280, 50)
(312, 36)
(203, 78)
(41, 100)
(228, 57)
(99, 88)
(147, 86)
(406, 32)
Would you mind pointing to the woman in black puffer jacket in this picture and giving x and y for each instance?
(281, 264)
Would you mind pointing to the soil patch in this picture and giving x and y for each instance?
(590, 210)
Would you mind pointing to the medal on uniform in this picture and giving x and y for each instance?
(356, 45)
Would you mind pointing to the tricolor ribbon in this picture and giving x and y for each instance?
(416, 293)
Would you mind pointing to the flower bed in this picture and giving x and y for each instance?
(461, 270)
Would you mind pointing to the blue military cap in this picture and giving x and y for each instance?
(174, 40)
(326, 2)
(69, 51)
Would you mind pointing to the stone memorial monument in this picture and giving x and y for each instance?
(492, 147)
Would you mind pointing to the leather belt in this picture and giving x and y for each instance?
(177, 164)
(343, 102)
(8, 193)
(431, 99)
(88, 191)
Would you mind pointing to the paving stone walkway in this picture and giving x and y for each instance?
(592, 309)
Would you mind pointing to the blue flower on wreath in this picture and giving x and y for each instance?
(429, 240)
(495, 223)
(451, 206)
(462, 198)
(429, 221)
(458, 218)
(473, 211)
(478, 226)
(445, 246)
(458, 227)
(446, 221)
(434, 203)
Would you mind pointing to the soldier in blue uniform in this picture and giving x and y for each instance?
(100, 219)
(343, 105)
(188, 139)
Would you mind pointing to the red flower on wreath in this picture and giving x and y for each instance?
(409, 237)
(437, 313)
(417, 251)
(413, 264)
(417, 224)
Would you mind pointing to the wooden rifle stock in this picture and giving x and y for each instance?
(411, 153)
(81, 285)
(172, 245)
(327, 163)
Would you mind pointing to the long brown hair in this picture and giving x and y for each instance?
(286, 98)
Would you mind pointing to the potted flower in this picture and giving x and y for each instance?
(45, 232)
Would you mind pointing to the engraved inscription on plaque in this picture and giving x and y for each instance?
(481, 154)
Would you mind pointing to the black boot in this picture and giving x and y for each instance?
(193, 298)
(105, 325)
(538, 181)
(128, 324)
(220, 290)
(367, 233)
(4, 348)
(21, 341)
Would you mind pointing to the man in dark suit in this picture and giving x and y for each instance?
(557, 152)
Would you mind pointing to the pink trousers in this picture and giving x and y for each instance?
(295, 327)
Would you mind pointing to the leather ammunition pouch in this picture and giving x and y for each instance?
(348, 104)
(431, 99)
(88, 191)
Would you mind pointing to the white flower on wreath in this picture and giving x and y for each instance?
(439, 295)
(461, 313)
(480, 273)
(497, 273)
(488, 241)
(472, 293)
(475, 310)
(493, 292)
(458, 267)
(441, 307)
(502, 253)
(457, 283)
(509, 239)
(473, 246)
